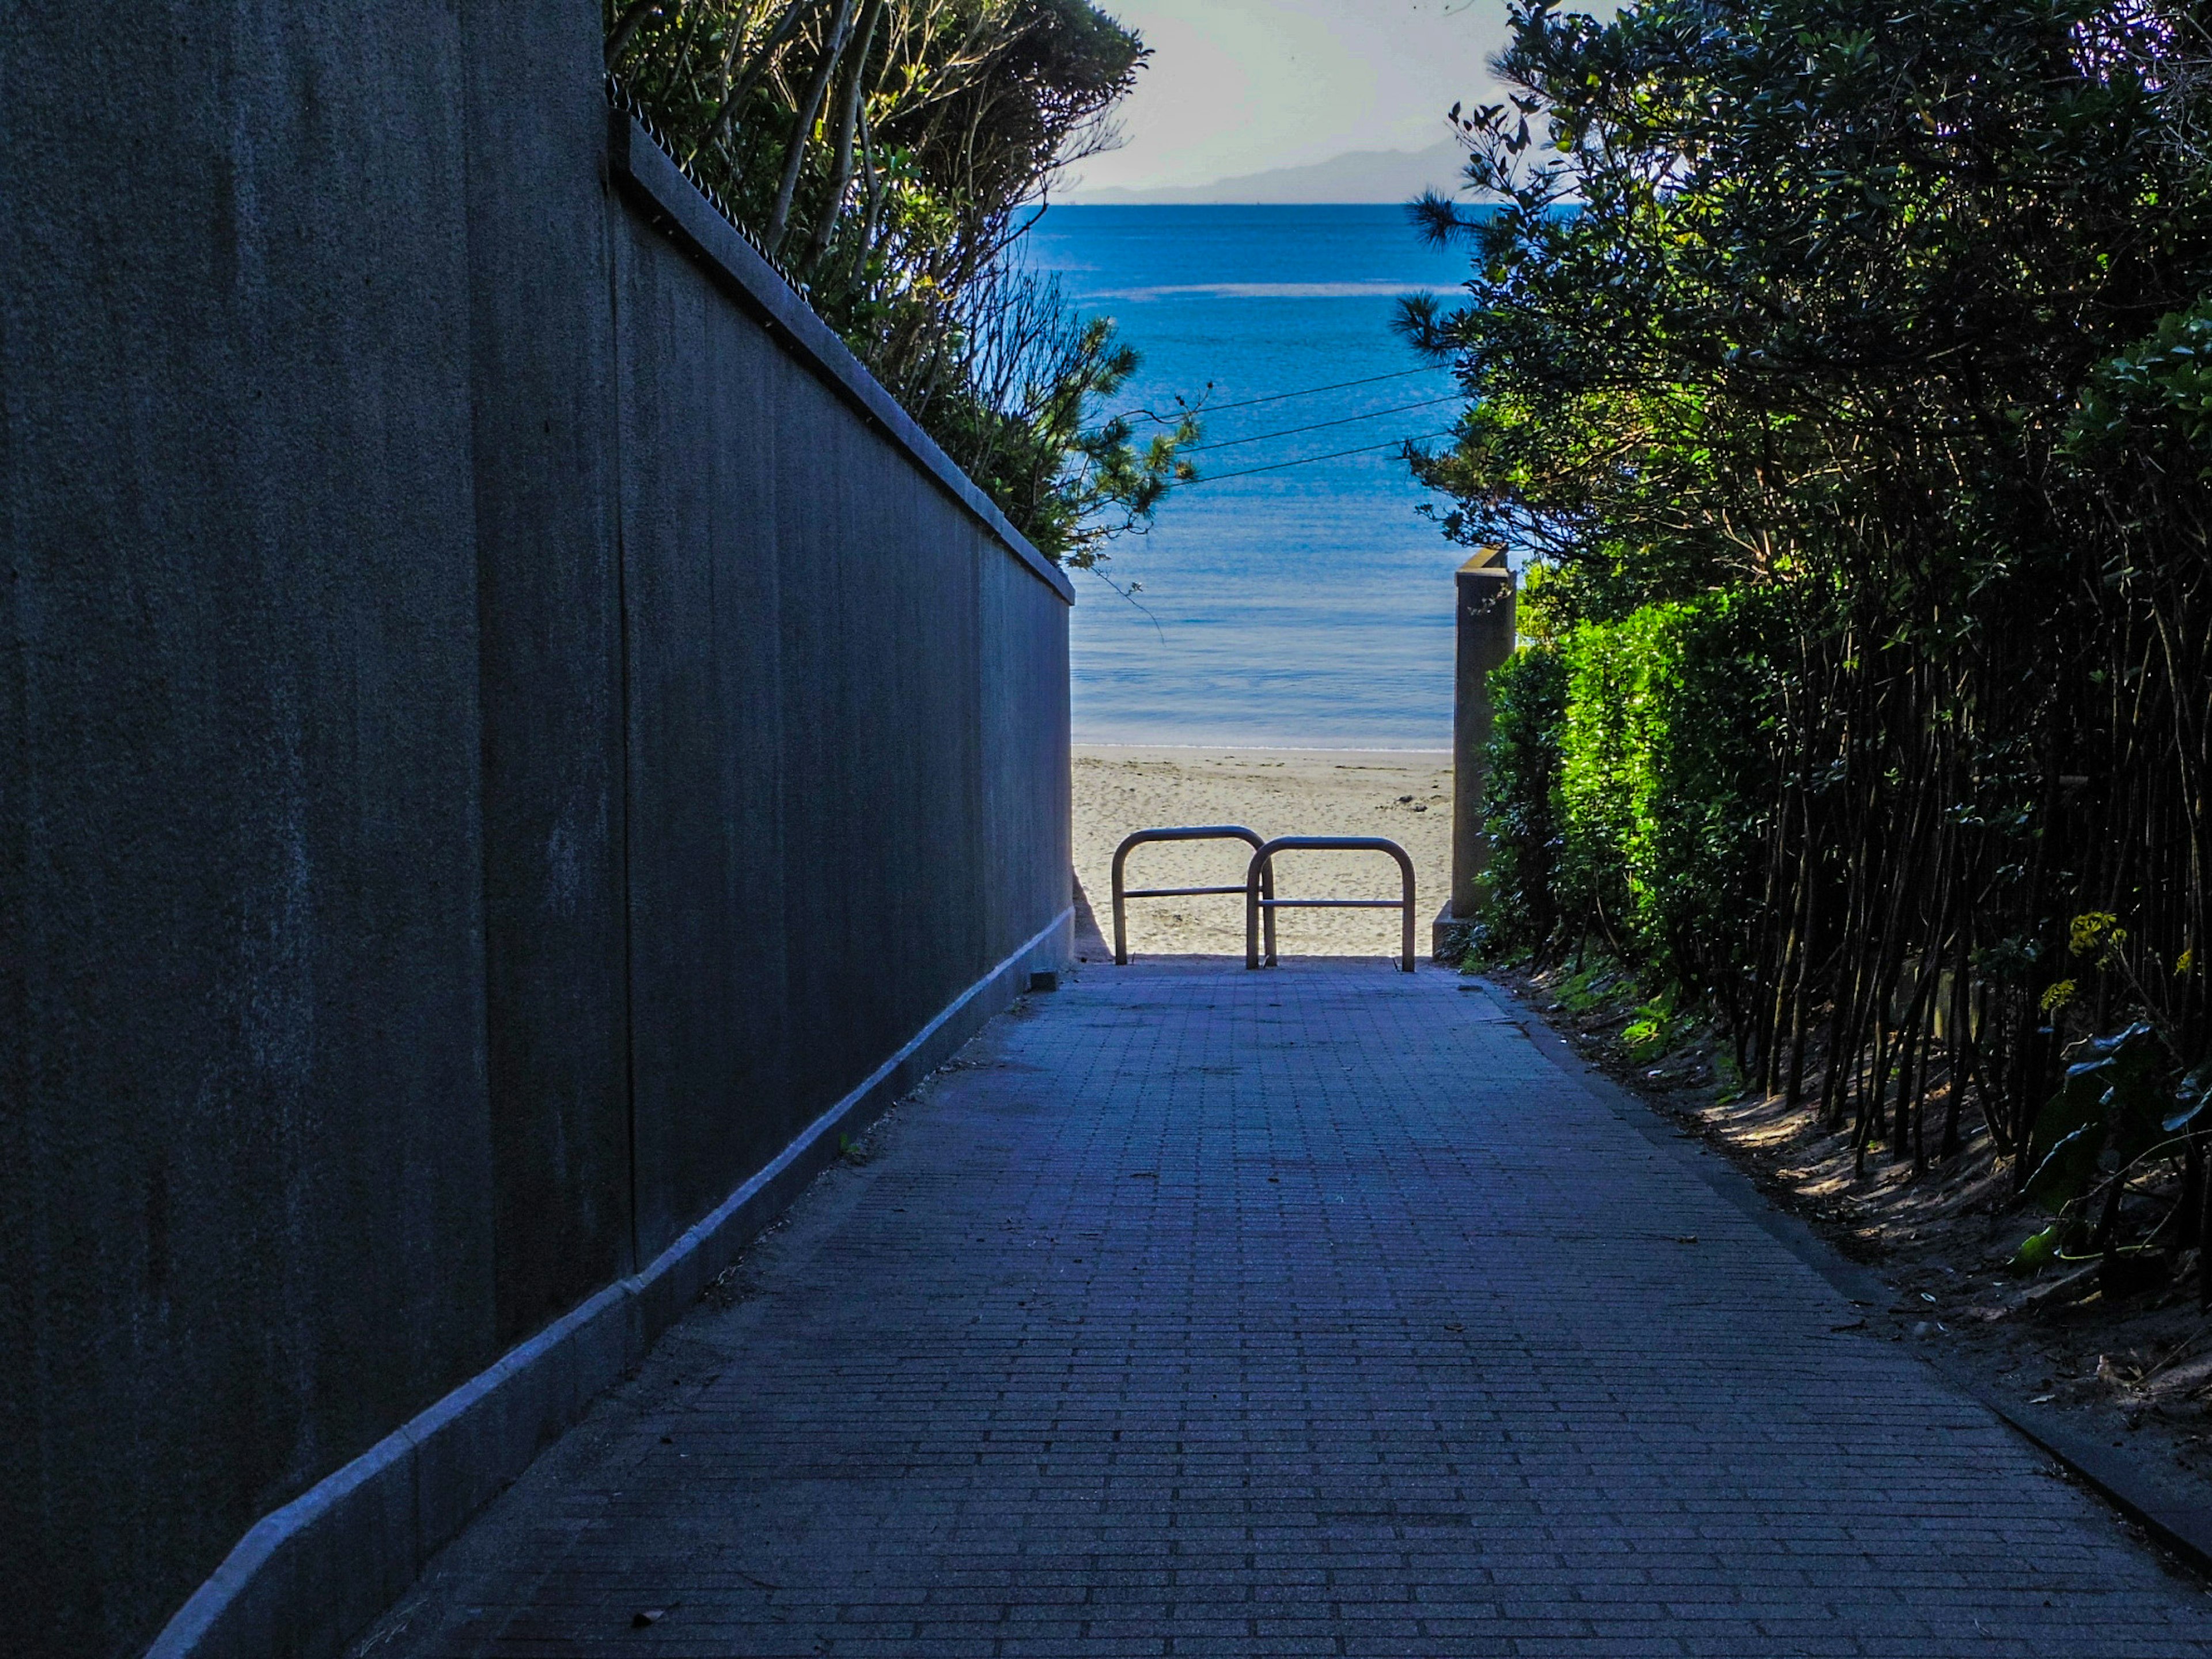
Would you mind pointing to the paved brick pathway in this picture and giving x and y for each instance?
(1310, 1312)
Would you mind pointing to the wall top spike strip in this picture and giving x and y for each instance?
(623, 99)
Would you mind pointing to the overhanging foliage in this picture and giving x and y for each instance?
(889, 152)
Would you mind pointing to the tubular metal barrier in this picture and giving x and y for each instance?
(1206, 832)
(1259, 900)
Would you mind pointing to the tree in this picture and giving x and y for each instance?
(1883, 321)
(889, 153)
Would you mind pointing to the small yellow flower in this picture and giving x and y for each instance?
(2098, 935)
(2098, 931)
(2187, 965)
(2058, 996)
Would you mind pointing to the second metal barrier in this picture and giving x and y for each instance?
(1259, 900)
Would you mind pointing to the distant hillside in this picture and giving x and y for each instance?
(1366, 176)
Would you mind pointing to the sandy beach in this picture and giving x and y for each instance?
(1403, 795)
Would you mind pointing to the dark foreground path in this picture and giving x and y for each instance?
(1310, 1312)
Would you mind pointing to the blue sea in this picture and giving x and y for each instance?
(1297, 606)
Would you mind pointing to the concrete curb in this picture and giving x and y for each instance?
(2180, 1520)
(305, 1580)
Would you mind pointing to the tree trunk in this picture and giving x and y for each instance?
(802, 126)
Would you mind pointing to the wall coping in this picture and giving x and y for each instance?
(669, 197)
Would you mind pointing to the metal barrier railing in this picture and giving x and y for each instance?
(1205, 832)
(1259, 900)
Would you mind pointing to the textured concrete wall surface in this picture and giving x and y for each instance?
(498, 736)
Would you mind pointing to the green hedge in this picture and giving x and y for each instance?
(1528, 705)
(1629, 770)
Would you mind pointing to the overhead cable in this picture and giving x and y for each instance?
(1273, 397)
(1321, 426)
(1283, 466)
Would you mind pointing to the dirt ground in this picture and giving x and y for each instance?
(2137, 1372)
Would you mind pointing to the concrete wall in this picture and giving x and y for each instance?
(498, 735)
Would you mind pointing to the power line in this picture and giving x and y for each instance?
(1274, 398)
(1283, 466)
(1321, 426)
(1315, 392)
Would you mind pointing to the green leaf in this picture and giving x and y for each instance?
(2136, 1089)
(2078, 1105)
(2119, 1088)
(2065, 1174)
(2193, 1094)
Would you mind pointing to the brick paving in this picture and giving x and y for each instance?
(1308, 1312)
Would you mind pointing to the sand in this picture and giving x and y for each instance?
(1404, 796)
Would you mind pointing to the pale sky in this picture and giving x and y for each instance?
(1239, 87)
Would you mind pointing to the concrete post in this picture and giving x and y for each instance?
(1486, 601)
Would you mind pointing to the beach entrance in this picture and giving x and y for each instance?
(1401, 796)
(1258, 889)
